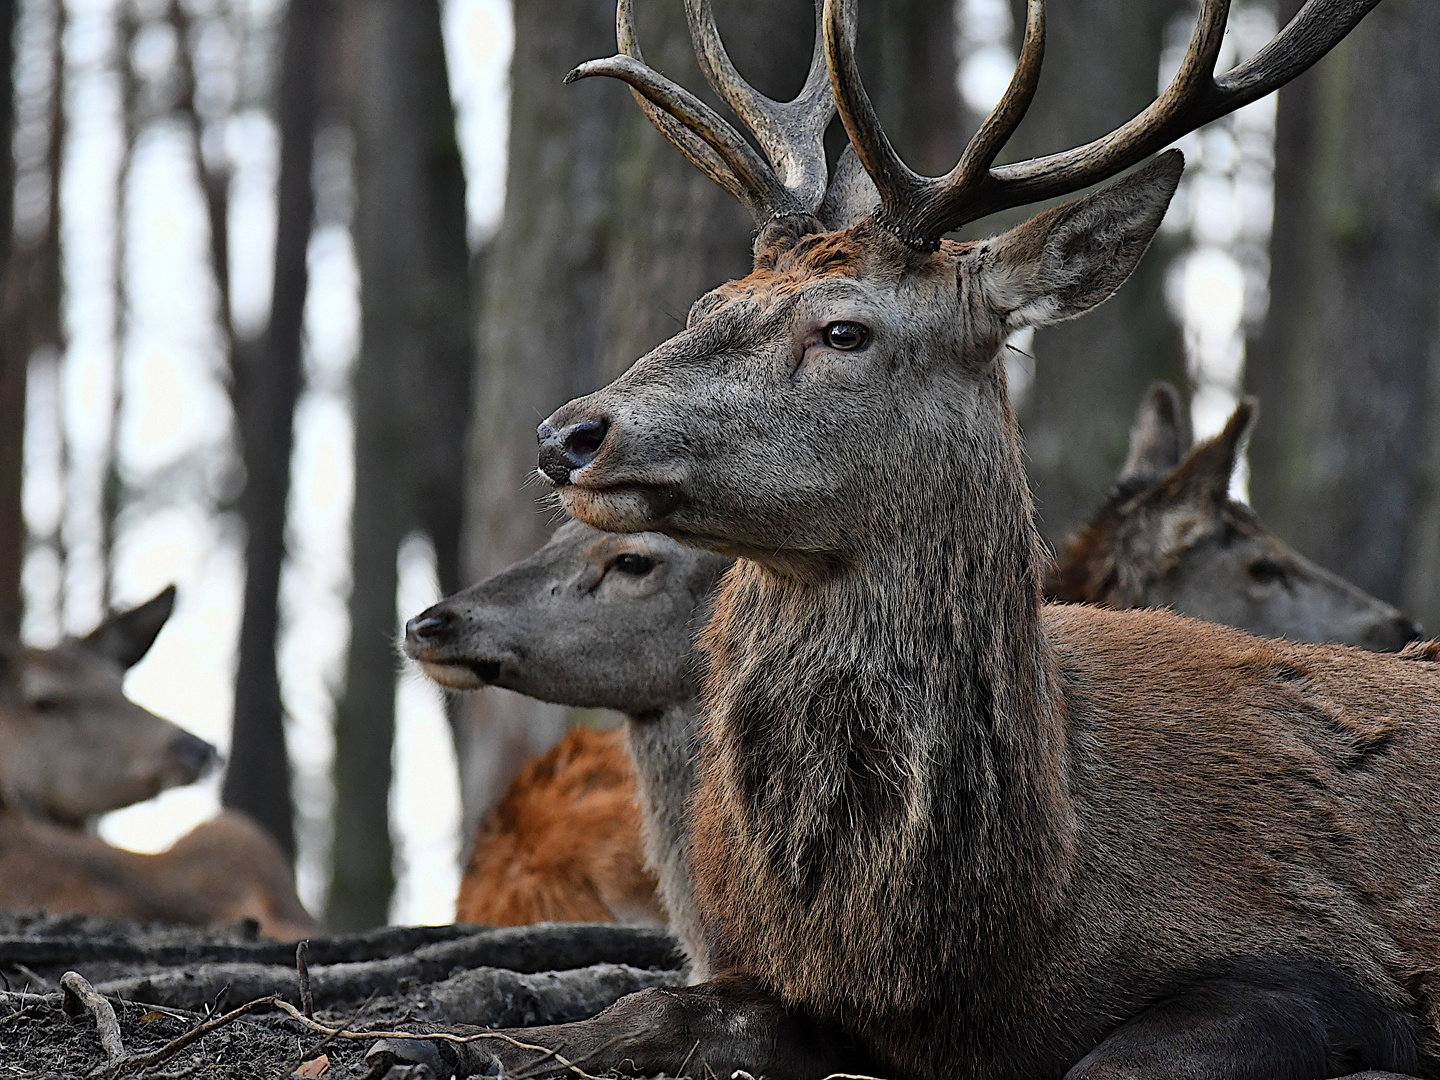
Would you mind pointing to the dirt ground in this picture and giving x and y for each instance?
(164, 984)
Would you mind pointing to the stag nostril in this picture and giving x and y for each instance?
(570, 448)
(429, 625)
(193, 754)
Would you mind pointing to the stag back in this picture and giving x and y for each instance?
(71, 744)
(1169, 535)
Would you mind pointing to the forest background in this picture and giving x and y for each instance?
(285, 286)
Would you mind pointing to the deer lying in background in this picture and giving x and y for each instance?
(592, 620)
(73, 746)
(938, 828)
(225, 870)
(1170, 536)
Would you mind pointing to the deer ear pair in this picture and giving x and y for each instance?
(1157, 453)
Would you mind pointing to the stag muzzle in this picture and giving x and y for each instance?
(570, 448)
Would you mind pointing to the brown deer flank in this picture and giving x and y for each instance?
(938, 828)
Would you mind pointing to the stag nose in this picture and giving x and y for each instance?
(569, 448)
(429, 626)
(193, 755)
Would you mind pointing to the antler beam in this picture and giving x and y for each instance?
(791, 134)
(921, 209)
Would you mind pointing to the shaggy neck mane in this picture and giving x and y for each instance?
(885, 764)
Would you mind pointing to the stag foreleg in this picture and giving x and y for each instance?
(714, 1029)
(1232, 1030)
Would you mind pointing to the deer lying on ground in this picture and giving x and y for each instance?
(939, 828)
(1170, 536)
(593, 620)
(223, 871)
(563, 844)
(73, 746)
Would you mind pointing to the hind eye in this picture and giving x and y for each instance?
(1266, 571)
(634, 565)
(45, 705)
(846, 336)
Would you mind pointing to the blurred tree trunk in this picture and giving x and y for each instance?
(267, 380)
(1344, 458)
(608, 236)
(30, 298)
(14, 351)
(1102, 59)
(411, 403)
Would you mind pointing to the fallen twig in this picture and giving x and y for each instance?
(79, 995)
(174, 1046)
(427, 1036)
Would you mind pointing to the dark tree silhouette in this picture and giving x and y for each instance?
(267, 381)
(1344, 464)
(411, 399)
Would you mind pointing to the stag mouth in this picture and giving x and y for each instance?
(454, 674)
(620, 508)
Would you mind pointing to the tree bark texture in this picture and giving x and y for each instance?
(411, 402)
(1344, 459)
(267, 381)
(14, 352)
(1102, 59)
(607, 238)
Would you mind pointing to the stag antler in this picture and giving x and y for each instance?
(920, 209)
(791, 133)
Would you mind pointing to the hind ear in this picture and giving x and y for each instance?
(1156, 445)
(1204, 476)
(126, 636)
(1067, 260)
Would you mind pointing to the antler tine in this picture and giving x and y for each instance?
(1194, 98)
(897, 184)
(791, 133)
(921, 209)
(691, 126)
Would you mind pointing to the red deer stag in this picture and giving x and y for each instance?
(599, 618)
(1170, 536)
(939, 828)
(73, 746)
(593, 620)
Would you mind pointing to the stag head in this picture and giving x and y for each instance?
(862, 350)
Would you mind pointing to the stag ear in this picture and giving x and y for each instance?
(1063, 262)
(127, 635)
(1204, 476)
(1155, 439)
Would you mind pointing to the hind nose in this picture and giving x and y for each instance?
(1409, 630)
(429, 626)
(193, 754)
(569, 448)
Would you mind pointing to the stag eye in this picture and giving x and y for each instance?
(45, 705)
(846, 336)
(634, 565)
(1266, 571)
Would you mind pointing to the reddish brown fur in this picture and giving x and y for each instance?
(563, 845)
(223, 871)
